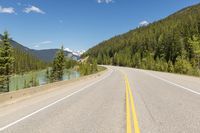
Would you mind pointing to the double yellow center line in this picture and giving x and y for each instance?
(130, 110)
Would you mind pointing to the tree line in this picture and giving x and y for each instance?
(171, 45)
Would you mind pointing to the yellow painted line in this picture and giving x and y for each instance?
(128, 114)
(134, 115)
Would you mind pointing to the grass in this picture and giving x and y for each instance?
(101, 68)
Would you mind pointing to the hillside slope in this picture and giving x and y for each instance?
(171, 44)
(25, 62)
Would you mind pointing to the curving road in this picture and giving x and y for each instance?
(121, 100)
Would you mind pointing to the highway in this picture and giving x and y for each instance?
(122, 100)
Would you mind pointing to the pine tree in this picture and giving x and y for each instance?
(194, 44)
(182, 66)
(6, 62)
(47, 75)
(58, 66)
(170, 67)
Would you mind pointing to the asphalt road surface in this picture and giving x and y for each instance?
(123, 100)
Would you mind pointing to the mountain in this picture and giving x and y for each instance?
(171, 44)
(75, 53)
(17, 45)
(46, 55)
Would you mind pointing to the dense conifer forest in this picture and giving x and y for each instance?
(171, 44)
(25, 62)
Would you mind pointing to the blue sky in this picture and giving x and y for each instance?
(79, 24)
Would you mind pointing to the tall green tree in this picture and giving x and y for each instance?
(6, 62)
(58, 66)
(194, 47)
(183, 66)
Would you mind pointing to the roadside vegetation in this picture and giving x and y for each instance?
(170, 45)
(61, 63)
(87, 68)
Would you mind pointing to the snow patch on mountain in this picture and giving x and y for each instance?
(75, 52)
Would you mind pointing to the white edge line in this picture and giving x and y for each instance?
(185, 88)
(57, 101)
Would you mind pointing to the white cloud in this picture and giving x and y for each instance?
(33, 9)
(105, 1)
(144, 23)
(45, 42)
(37, 45)
(8, 10)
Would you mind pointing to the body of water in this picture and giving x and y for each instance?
(36, 78)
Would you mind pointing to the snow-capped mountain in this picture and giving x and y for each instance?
(75, 52)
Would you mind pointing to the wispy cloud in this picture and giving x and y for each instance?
(105, 1)
(45, 42)
(37, 45)
(8, 10)
(144, 23)
(33, 9)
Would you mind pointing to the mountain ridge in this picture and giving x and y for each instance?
(46, 55)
